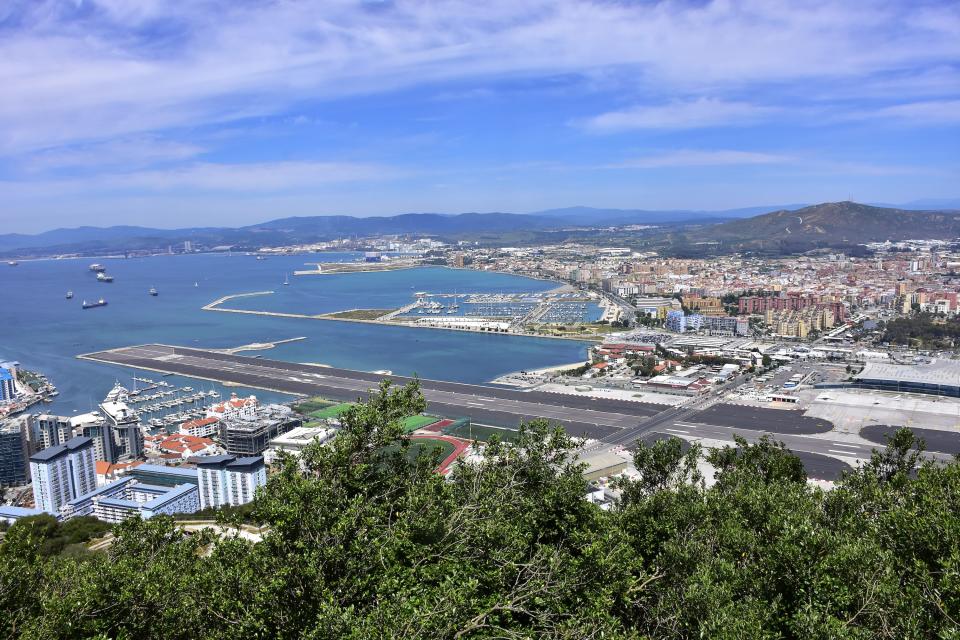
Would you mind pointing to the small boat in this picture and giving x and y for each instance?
(102, 277)
(69, 295)
(12, 263)
(260, 258)
(153, 292)
(286, 280)
(90, 305)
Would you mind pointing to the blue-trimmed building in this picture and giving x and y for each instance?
(130, 497)
(8, 387)
(229, 480)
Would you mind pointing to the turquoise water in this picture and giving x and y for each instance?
(44, 331)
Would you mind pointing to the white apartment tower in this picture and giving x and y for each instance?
(63, 472)
(229, 480)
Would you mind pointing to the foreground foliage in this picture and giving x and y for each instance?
(369, 544)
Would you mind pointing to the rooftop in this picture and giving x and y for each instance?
(937, 372)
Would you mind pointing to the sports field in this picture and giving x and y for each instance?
(417, 422)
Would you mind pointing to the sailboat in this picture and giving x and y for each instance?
(196, 284)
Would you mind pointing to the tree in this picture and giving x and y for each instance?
(362, 539)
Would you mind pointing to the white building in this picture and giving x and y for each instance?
(53, 430)
(63, 472)
(229, 480)
(296, 440)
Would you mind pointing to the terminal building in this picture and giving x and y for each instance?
(939, 377)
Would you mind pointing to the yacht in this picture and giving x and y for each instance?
(102, 277)
(97, 268)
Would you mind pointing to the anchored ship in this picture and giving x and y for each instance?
(90, 305)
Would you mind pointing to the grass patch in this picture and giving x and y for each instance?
(311, 404)
(359, 314)
(481, 433)
(417, 422)
(330, 412)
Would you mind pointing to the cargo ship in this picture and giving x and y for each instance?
(90, 305)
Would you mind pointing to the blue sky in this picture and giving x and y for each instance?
(228, 112)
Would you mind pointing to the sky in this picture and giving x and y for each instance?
(231, 112)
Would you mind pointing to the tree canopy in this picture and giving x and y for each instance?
(363, 541)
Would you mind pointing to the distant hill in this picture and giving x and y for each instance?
(653, 216)
(791, 228)
(829, 225)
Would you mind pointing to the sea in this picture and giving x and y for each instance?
(44, 331)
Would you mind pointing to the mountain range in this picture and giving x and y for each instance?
(790, 227)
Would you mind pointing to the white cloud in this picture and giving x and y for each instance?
(126, 153)
(126, 67)
(270, 177)
(921, 113)
(265, 177)
(691, 114)
(700, 158)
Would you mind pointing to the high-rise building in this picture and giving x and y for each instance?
(53, 430)
(8, 387)
(14, 452)
(123, 439)
(229, 480)
(63, 472)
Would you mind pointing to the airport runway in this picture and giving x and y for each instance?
(582, 416)
(612, 422)
(935, 439)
